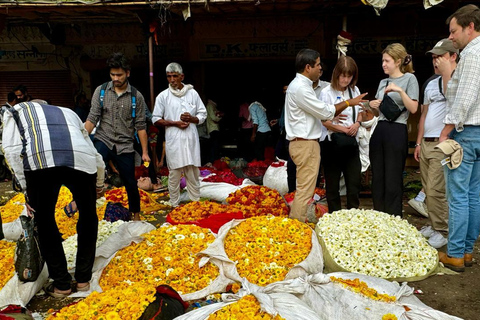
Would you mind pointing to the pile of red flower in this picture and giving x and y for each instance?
(224, 176)
(256, 168)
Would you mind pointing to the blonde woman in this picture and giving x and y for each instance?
(389, 142)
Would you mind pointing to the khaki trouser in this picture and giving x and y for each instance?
(433, 182)
(306, 156)
(191, 174)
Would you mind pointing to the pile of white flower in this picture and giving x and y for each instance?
(105, 229)
(376, 244)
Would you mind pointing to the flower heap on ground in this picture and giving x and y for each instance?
(7, 262)
(70, 245)
(258, 200)
(13, 208)
(361, 287)
(68, 225)
(376, 244)
(265, 248)
(168, 255)
(125, 302)
(291, 195)
(247, 308)
(147, 203)
(197, 210)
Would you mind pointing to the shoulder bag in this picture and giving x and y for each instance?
(341, 139)
(390, 109)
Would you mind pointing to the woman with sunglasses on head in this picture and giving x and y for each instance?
(340, 151)
(389, 142)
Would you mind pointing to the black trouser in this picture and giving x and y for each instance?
(214, 146)
(245, 146)
(388, 153)
(125, 163)
(336, 160)
(43, 187)
(291, 171)
(261, 142)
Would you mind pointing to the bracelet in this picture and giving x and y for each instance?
(417, 145)
(348, 104)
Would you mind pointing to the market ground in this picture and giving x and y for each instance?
(457, 295)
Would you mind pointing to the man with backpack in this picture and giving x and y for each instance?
(118, 113)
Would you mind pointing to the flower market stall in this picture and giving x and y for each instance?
(264, 265)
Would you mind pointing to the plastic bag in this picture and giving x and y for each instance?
(28, 262)
(276, 178)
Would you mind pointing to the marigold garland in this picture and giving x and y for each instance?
(197, 210)
(168, 255)
(267, 247)
(124, 302)
(7, 262)
(389, 316)
(361, 287)
(258, 200)
(247, 308)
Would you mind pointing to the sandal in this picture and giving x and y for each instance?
(50, 290)
(84, 288)
(69, 209)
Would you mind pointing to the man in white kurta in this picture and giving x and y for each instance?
(179, 109)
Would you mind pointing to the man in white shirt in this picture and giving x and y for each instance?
(303, 113)
(179, 108)
(429, 128)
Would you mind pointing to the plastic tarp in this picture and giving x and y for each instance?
(315, 296)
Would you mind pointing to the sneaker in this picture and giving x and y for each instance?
(437, 240)
(427, 231)
(419, 206)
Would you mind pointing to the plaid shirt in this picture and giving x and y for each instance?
(116, 127)
(463, 94)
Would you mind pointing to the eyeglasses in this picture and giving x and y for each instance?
(172, 75)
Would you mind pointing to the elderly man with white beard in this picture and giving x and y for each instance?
(179, 109)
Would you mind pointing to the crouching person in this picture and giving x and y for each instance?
(47, 147)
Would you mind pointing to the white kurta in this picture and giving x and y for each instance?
(182, 146)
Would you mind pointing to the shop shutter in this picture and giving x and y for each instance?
(52, 86)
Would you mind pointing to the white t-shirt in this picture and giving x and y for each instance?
(332, 96)
(437, 104)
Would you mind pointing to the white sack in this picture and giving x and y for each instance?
(277, 178)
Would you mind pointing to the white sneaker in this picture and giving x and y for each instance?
(437, 240)
(419, 206)
(427, 231)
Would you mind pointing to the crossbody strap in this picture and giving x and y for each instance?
(354, 118)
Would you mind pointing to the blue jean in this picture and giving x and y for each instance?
(463, 194)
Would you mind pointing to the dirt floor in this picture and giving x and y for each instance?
(457, 295)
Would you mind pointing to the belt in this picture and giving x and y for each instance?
(430, 139)
(302, 139)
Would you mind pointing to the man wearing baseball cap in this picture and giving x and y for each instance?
(429, 127)
(462, 124)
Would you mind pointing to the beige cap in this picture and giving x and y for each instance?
(453, 149)
(443, 46)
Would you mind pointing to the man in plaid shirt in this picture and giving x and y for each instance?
(462, 124)
(115, 134)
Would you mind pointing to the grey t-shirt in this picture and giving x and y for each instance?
(408, 82)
